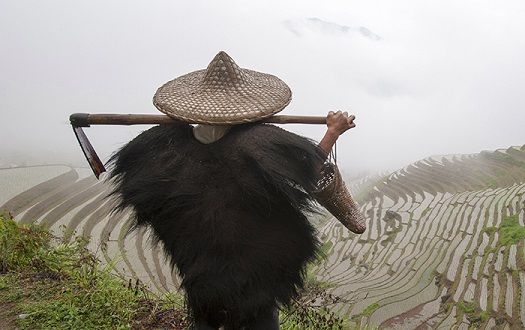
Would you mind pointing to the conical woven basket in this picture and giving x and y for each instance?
(333, 195)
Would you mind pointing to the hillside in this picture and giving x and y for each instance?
(444, 245)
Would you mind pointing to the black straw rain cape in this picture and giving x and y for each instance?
(230, 215)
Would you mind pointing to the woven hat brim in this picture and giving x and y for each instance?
(187, 99)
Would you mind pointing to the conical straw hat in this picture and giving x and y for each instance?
(223, 94)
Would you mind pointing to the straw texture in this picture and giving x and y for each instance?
(223, 94)
(234, 224)
(335, 197)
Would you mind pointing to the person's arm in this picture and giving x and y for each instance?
(337, 123)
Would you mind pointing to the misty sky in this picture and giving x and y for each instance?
(423, 77)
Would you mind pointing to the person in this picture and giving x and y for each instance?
(229, 198)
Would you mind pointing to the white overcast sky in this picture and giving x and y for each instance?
(430, 77)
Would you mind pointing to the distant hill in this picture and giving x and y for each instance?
(444, 245)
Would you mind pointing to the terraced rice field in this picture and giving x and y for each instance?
(434, 255)
(439, 251)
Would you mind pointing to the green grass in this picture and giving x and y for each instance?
(474, 314)
(511, 232)
(370, 309)
(8, 291)
(325, 249)
(467, 307)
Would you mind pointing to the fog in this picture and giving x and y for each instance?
(423, 78)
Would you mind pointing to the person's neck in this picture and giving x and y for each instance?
(210, 133)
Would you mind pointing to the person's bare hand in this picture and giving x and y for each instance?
(339, 122)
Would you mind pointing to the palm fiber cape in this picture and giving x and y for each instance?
(230, 215)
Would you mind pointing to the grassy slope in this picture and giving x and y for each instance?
(45, 284)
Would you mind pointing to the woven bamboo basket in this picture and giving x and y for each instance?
(333, 195)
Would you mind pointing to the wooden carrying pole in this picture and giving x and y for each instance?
(86, 119)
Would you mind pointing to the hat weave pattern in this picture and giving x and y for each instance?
(223, 94)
